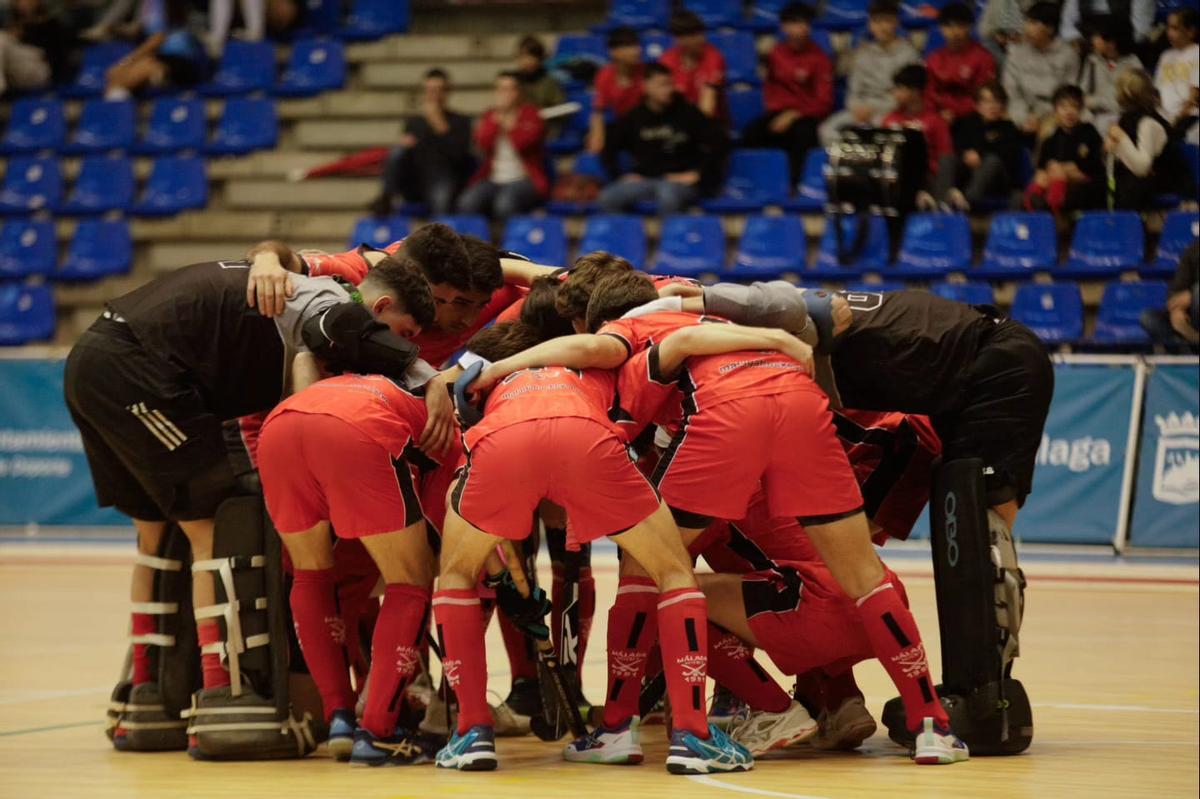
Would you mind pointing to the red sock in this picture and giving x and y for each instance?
(1056, 195)
(896, 642)
(731, 663)
(517, 645)
(142, 624)
(395, 654)
(683, 636)
(460, 629)
(632, 630)
(323, 633)
(587, 610)
(214, 674)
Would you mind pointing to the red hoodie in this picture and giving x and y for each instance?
(528, 138)
(799, 80)
(954, 77)
(937, 132)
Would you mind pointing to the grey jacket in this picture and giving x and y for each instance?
(871, 70)
(1031, 76)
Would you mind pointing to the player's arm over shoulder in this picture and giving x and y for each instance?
(583, 351)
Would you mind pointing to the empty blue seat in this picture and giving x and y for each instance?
(104, 184)
(690, 245)
(320, 15)
(245, 67)
(741, 58)
(619, 234)
(540, 239)
(574, 129)
(378, 232)
(1020, 242)
(936, 243)
(587, 46)
(1105, 242)
(878, 287)
(466, 225)
(1121, 307)
(27, 247)
(811, 194)
(246, 124)
(920, 13)
(26, 314)
(764, 16)
(771, 245)
(654, 44)
(176, 183)
(374, 19)
(971, 293)
(1179, 230)
(31, 184)
(843, 15)
(637, 14)
(100, 247)
(716, 13)
(97, 58)
(103, 125)
(875, 253)
(175, 124)
(316, 65)
(1053, 311)
(745, 105)
(34, 124)
(756, 178)
(1191, 154)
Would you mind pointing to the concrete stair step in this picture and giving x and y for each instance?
(442, 48)
(276, 163)
(167, 256)
(333, 194)
(314, 134)
(467, 74)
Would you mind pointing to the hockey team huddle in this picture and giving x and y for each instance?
(298, 434)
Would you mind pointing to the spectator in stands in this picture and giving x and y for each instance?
(511, 137)
(908, 89)
(433, 160)
(872, 65)
(1001, 24)
(1035, 67)
(171, 55)
(958, 68)
(1146, 162)
(1177, 327)
(1110, 56)
(697, 67)
(676, 149)
(538, 86)
(798, 93)
(35, 47)
(987, 153)
(1079, 16)
(618, 85)
(1070, 172)
(1178, 75)
(220, 18)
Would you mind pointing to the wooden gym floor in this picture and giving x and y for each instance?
(1110, 660)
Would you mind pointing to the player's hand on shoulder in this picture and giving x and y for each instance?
(491, 375)
(798, 351)
(440, 427)
(841, 314)
(681, 290)
(269, 285)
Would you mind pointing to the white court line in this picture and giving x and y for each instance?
(1184, 711)
(705, 779)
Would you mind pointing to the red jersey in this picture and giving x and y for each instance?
(709, 70)
(799, 79)
(954, 77)
(937, 132)
(543, 393)
(614, 95)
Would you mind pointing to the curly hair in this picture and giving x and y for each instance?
(502, 340)
(441, 255)
(616, 295)
(483, 263)
(400, 275)
(576, 290)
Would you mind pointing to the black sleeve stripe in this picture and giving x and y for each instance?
(623, 340)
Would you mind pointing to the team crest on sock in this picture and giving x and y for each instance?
(732, 647)
(912, 661)
(627, 663)
(408, 660)
(693, 666)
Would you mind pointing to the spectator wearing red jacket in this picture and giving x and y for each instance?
(958, 69)
(618, 84)
(697, 67)
(798, 92)
(511, 139)
(908, 87)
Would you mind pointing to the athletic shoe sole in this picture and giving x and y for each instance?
(696, 765)
(848, 738)
(939, 757)
(626, 759)
(473, 762)
(341, 747)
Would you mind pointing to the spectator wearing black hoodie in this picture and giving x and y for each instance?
(987, 153)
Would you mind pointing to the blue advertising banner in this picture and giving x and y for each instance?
(44, 477)
(1166, 502)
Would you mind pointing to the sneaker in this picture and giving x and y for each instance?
(690, 754)
(507, 723)
(844, 729)
(342, 726)
(511, 717)
(437, 717)
(925, 202)
(475, 750)
(420, 692)
(958, 201)
(607, 745)
(761, 731)
(403, 748)
(724, 708)
(937, 745)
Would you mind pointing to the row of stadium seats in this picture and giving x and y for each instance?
(34, 184)
(99, 248)
(246, 124)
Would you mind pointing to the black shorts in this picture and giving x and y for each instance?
(154, 450)
(1005, 407)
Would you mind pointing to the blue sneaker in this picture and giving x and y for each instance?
(342, 726)
(403, 748)
(610, 746)
(474, 750)
(724, 708)
(716, 753)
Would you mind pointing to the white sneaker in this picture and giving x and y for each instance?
(760, 731)
(618, 746)
(925, 202)
(420, 691)
(507, 722)
(845, 728)
(938, 746)
(437, 717)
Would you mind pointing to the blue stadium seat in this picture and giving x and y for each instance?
(741, 58)
(875, 254)
(31, 184)
(27, 247)
(316, 65)
(1117, 323)
(1019, 243)
(373, 19)
(619, 234)
(690, 245)
(1179, 230)
(1105, 243)
(843, 15)
(541, 239)
(716, 13)
(320, 15)
(764, 16)
(176, 183)
(574, 129)
(103, 125)
(745, 105)
(1053, 311)
(756, 178)
(879, 286)
(637, 14)
(588, 165)
(378, 232)
(34, 124)
(654, 44)
(26, 314)
(246, 124)
(573, 48)
(101, 247)
(811, 194)
(972, 293)
(935, 244)
(822, 38)
(104, 184)
(770, 246)
(245, 67)
(920, 13)
(175, 124)
(97, 58)
(466, 225)
(1191, 154)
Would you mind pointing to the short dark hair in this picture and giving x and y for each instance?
(588, 270)
(437, 72)
(532, 45)
(1187, 17)
(796, 12)
(622, 36)
(1112, 28)
(956, 14)
(399, 275)
(540, 309)
(685, 23)
(616, 296)
(483, 264)
(883, 8)
(912, 76)
(1067, 92)
(654, 68)
(996, 89)
(503, 340)
(1049, 14)
(441, 255)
